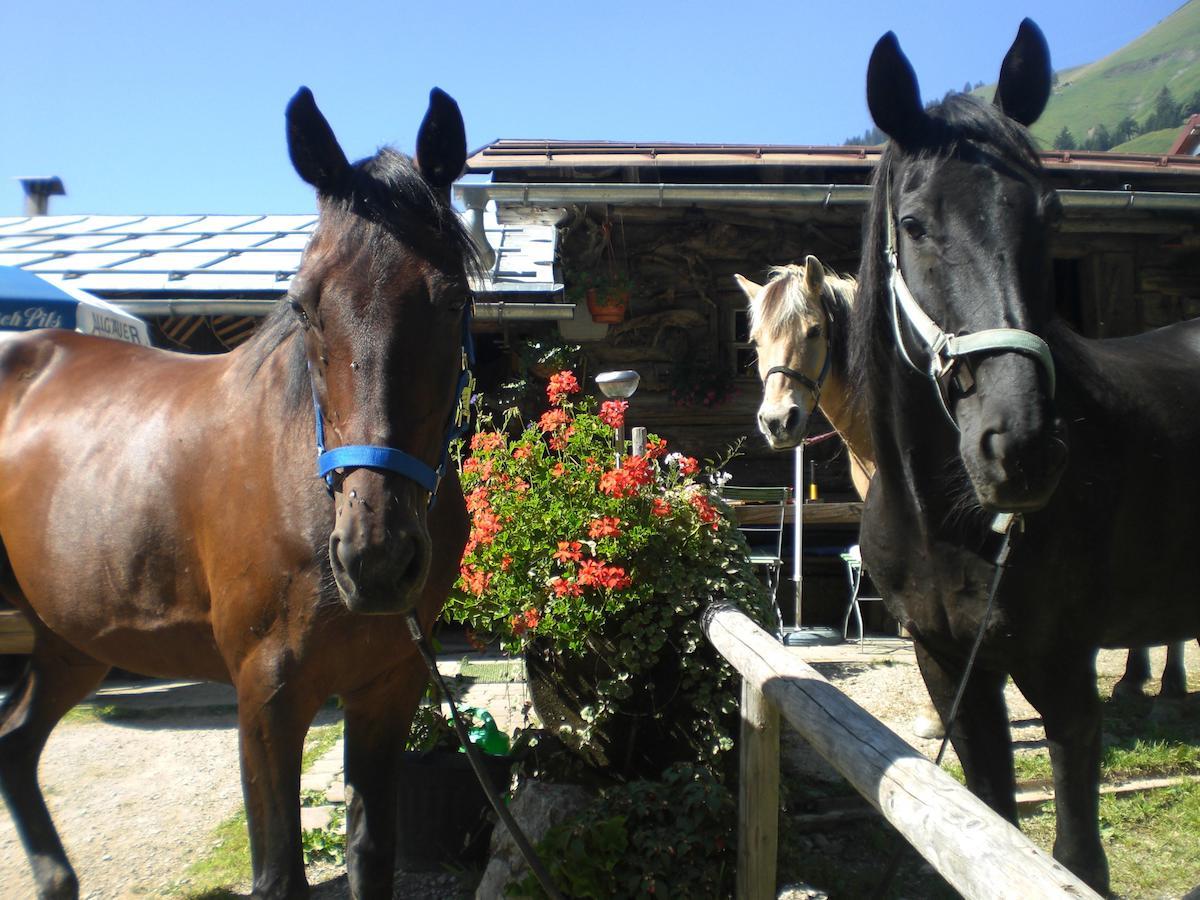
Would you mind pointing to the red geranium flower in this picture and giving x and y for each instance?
(605, 526)
(612, 412)
(568, 551)
(660, 507)
(561, 384)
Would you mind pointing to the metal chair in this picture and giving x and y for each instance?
(763, 530)
(854, 572)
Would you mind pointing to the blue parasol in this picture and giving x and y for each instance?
(28, 301)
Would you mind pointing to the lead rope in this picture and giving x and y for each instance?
(1006, 524)
(527, 851)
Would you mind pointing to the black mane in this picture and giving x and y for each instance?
(960, 127)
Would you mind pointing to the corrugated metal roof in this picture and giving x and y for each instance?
(506, 154)
(236, 255)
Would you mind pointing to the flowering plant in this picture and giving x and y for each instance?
(572, 553)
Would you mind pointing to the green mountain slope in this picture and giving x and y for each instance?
(1150, 142)
(1126, 82)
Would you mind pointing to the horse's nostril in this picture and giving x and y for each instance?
(792, 422)
(991, 445)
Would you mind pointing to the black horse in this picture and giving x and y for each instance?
(1108, 553)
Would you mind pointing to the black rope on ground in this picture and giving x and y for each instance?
(527, 851)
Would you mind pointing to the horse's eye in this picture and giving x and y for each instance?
(298, 309)
(815, 331)
(914, 229)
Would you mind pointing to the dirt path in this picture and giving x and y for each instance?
(135, 801)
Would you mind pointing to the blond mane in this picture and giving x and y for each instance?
(783, 304)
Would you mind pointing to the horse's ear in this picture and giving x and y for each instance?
(893, 95)
(1025, 76)
(749, 288)
(441, 142)
(315, 152)
(814, 275)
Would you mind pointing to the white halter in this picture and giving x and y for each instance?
(947, 350)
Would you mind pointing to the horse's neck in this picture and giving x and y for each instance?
(836, 402)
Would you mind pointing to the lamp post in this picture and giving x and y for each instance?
(619, 385)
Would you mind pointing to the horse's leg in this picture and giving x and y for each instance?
(377, 722)
(1063, 690)
(56, 677)
(1137, 673)
(274, 713)
(980, 734)
(1174, 677)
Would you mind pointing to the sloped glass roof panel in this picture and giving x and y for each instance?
(20, 258)
(169, 261)
(259, 261)
(27, 225)
(70, 244)
(214, 224)
(295, 241)
(99, 223)
(282, 223)
(227, 240)
(150, 242)
(151, 224)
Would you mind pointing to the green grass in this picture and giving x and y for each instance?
(497, 672)
(1152, 840)
(1150, 142)
(227, 864)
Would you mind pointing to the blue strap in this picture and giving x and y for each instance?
(366, 456)
(363, 456)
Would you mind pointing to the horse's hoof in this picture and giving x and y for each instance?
(1128, 690)
(1172, 690)
(927, 728)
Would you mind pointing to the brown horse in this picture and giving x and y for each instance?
(182, 531)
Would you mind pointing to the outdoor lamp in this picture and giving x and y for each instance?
(618, 386)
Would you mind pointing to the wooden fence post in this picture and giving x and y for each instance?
(758, 796)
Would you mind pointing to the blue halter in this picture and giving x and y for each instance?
(389, 459)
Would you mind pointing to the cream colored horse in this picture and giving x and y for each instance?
(798, 324)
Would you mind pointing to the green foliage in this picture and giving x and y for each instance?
(325, 845)
(1064, 140)
(592, 561)
(669, 838)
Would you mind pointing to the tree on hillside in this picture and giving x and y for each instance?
(1126, 130)
(1064, 140)
(1166, 114)
(1192, 107)
(868, 138)
(1099, 139)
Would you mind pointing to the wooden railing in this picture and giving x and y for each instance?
(15, 634)
(976, 851)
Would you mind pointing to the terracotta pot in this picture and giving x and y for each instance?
(607, 308)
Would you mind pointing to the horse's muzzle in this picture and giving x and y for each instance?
(379, 567)
(783, 426)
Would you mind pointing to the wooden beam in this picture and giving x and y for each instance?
(16, 635)
(979, 853)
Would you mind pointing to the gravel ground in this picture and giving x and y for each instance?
(136, 800)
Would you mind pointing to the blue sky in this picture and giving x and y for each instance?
(174, 107)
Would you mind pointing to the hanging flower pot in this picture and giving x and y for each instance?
(608, 303)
